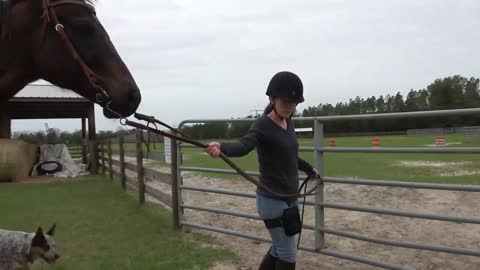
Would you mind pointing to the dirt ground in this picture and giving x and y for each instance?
(379, 226)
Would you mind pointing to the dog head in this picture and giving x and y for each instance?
(43, 245)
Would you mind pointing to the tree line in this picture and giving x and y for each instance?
(55, 136)
(454, 92)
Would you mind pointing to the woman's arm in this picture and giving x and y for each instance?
(236, 149)
(304, 166)
(243, 146)
(307, 168)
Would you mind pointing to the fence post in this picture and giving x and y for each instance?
(103, 158)
(84, 144)
(319, 196)
(110, 165)
(141, 183)
(176, 182)
(121, 146)
(84, 147)
(93, 152)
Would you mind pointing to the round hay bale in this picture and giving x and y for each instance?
(16, 159)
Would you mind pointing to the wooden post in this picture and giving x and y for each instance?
(123, 177)
(93, 162)
(141, 183)
(110, 164)
(175, 183)
(83, 141)
(5, 126)
(103, 158)
(92, 140)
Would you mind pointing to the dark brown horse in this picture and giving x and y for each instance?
(63, 42)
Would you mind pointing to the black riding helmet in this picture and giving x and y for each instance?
(286, 85)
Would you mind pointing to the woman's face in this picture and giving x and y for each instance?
(284, 107)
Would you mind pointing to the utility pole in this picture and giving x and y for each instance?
(256, 112)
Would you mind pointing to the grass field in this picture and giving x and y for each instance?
(101, 227)
(436, 168)
(132, 147)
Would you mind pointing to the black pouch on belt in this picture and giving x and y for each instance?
(291, 221)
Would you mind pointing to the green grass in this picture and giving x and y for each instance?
(370, 165)
(132, 147)
(394, 141)
(101, 227)
(7, 167)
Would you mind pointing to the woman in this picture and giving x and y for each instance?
(273, 135)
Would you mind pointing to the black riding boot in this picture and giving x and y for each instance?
(283, 265)
(268, 262)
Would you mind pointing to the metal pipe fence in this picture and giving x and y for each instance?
(319, 204)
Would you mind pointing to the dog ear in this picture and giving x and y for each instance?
(52, 230)
(39, 232)
(39, 239)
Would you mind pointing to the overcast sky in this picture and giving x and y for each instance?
(213, 59)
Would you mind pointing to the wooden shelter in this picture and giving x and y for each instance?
(51, 102)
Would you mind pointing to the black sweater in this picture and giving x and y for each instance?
(277, 150)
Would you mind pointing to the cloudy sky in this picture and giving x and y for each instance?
(213, 58)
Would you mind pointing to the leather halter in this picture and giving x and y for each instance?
(50, 16)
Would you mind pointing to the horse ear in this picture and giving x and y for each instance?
(52, 230)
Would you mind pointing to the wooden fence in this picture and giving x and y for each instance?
(134, 175)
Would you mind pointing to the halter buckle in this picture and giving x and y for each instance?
(58, 26)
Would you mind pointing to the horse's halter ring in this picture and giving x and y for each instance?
(49, 15)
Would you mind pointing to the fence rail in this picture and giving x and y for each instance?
(130, 174)
(135, 175)
(319, 204)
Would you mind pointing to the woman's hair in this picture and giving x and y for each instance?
(268, 109)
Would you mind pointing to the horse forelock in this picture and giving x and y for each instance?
(7, 5)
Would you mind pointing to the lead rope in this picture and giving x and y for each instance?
(185, 138)
(304, 186)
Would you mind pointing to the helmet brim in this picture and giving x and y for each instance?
(296, 100)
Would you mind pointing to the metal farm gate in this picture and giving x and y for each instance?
(318, 203)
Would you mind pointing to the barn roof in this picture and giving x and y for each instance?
(43, 101)
(46, 91)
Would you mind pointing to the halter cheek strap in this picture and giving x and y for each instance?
(49, 16)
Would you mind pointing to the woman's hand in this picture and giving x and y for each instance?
(213, 149)
(315, 174)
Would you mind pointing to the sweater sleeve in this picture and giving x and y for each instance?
(244, 145)
(304, 166)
